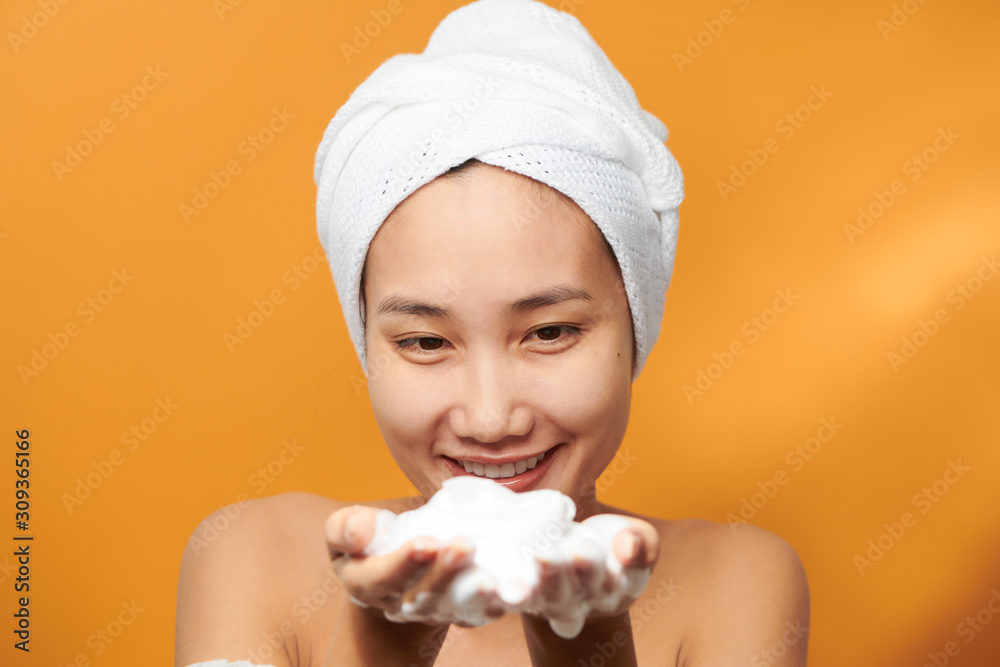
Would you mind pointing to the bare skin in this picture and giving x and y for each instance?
(463, 376)
(716, 597)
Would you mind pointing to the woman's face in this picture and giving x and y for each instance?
(497, 330)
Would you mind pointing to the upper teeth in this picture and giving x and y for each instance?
(501, 471)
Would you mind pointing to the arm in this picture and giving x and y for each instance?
(225, 598)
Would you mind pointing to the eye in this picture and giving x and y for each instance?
(551, 334)
(414, 344)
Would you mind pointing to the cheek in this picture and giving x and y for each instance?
(590, 397)
(393, 402)
(401, 407)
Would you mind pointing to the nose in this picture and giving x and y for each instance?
(487, 406)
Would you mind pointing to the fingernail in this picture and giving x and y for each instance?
(458, 551)
(631, 547)
(423, 549)
(453, 556)
(350, 527)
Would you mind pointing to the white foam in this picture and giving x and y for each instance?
(511, 532)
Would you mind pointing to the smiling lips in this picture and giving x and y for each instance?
(501, 471)
(518, 476)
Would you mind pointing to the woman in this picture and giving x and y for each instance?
(503, 285)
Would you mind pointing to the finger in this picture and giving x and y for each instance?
(610, 583)
(554, 583)
(350, 529)
(588, 575)
(451, 559)
(495, 611)
(377, 578)
(638, 545)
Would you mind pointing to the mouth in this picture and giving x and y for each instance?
(516, 474)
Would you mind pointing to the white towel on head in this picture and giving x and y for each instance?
(519, 85)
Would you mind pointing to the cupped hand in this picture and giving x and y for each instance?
(568, 584)
(417, 574)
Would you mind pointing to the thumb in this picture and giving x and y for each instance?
(350, 529)
(638, 545)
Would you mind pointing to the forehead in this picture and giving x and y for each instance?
(489, 212)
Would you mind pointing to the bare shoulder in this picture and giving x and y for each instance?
(722, 594)
(242, 577)
(748, 597)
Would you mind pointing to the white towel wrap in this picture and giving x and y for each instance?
(519, 85)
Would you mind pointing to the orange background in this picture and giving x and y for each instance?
(297, 377)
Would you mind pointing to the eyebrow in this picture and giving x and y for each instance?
(396, 304)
